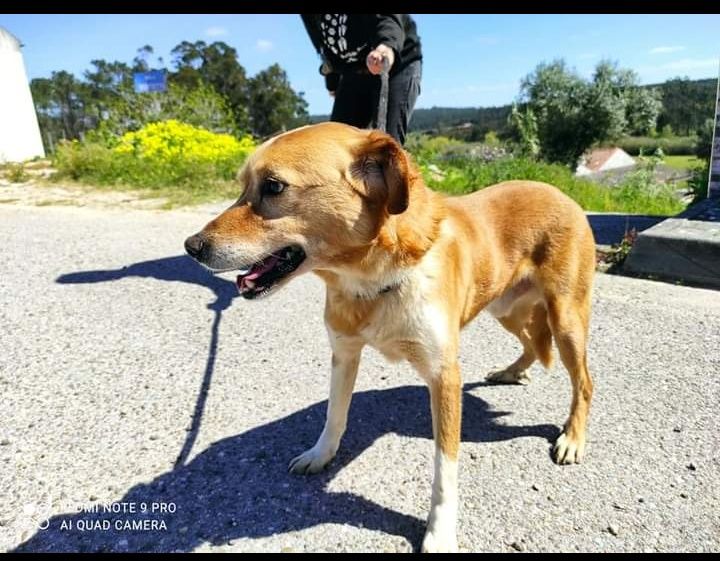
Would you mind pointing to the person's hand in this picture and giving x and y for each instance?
(374, 59)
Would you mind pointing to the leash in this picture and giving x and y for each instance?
(381, 115)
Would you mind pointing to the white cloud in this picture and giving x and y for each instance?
(216, 31)
(691, 64)
(665, 50)
(263, 45)
(694, 68)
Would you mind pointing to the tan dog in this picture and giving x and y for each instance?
(406, 268)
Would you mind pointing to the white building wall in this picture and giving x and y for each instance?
(19, 131)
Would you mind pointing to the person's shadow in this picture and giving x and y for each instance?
(176, 269)
(240, 487)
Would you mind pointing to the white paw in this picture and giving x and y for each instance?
(509, 375)
(311, 461)
(568, 450)
(439, 542)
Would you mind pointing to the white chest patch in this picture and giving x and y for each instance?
(410, 325)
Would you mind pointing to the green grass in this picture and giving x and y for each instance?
(14, 172)
(637, 194)
(634, 196)
(182, 182)
(682, 162)
(186, 182)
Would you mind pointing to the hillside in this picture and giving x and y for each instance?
(686, 105)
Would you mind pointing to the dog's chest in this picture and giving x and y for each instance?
(406, 328)
(407, 322)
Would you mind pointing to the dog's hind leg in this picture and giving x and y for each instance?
(540, 335)
(529, 325)
(345, 363)
(569, 320)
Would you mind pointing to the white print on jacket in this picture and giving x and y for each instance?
(333, 28)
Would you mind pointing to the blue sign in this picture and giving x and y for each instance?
(153, 81)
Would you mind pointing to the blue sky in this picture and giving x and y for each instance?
(470, 59)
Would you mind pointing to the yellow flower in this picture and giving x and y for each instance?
(168, 142)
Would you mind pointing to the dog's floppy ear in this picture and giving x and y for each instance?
(383, 168)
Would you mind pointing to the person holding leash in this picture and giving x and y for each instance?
(356, 50)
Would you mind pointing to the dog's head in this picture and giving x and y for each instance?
(315, 197)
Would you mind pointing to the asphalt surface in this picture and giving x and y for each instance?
(109, 336)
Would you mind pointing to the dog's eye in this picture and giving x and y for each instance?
(272, 187)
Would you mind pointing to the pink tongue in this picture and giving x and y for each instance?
(264, 268)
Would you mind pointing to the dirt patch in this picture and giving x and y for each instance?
(36, 193)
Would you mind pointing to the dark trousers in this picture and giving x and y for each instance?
(357, 96)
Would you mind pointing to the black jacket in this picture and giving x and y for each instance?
(362, 33)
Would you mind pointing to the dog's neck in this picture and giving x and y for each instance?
(388, 288)
(372, 288)
(389, 262)
(408, 236)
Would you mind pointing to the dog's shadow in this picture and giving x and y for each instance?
(239, 487)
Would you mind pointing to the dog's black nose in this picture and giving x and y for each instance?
(194, 245)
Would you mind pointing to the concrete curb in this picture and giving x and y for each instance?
(685, 248)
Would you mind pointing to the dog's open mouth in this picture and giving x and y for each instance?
(265, 274)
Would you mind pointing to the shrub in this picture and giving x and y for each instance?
(618, 252)
(162, 154)
(491, 139)
(671, 146)
(698, 183)
(638, 193)
(436, 149)
(15, 173)
(703, 147)
(425, 147)
(667, 132)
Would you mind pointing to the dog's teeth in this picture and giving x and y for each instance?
(243, 272)
(250, 284)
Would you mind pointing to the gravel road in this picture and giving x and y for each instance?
(120, 355)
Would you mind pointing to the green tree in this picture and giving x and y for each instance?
(215, 64)
(199, 106)
(274, 105)
(208, 88)
(642, 110)
(524, 124)
(60, 102)
(572, 114)
(703, 148)
(687, 104)
(558, 98)
(140, 62)
(50, 125)
(108, 84)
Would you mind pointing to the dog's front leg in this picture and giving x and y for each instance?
(345, 362)
(445, 400)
